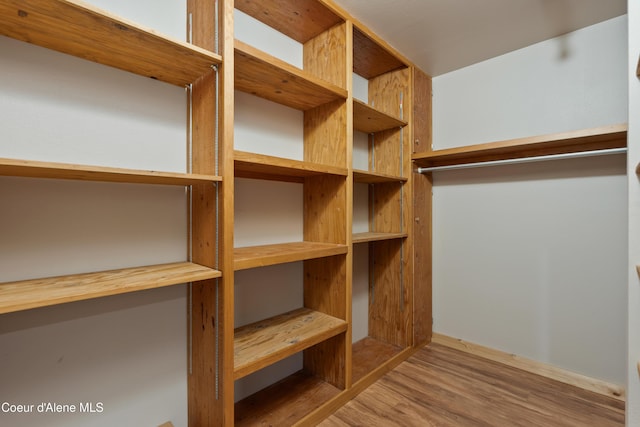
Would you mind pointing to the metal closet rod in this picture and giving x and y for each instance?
(593, 153)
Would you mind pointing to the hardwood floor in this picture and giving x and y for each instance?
(440, 386)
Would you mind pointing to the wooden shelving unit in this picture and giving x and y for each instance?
(369, 120)
(376, 237)
(367, 177)
(264, 255)
(593, 139)
(259, 166)
(27, 294)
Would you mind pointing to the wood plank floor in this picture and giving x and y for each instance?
(440, 386)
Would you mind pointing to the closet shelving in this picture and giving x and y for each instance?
(320, 328)
(84, 31)
(389, 94)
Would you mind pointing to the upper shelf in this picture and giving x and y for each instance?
(26, 294)
(367, 119)
(37, 169)
(370, 58)
(367, 177)
(601, 138)
(281, 253)
(259, 166)
(82, 30)
(301, 20)
(261, 74)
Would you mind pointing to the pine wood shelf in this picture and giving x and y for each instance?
(266, 76)
(280, 253)
(284, 403)
(258, 166)
(367, 119)
(79, 29)
(26, 294)
(370, 58)
(369, 354)
(367, 177)
(37, 169)
(599, 138)
(376, 237)
(263, 343)
(300, 20)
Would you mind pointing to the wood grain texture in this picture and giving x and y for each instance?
(605, 137)
(26, 294)
(422, 117)
(79, 29)
(538, 368)
(281, 253)
(325, 56)
(367, 119)
(324, 204)
(368, 177)
(376, 237)
(325, 134)
(439, 386)
(38, 169)
(386, 155)
(268, 77)
(265, 342)
(370, 353)
(371, 58)
(387, 208)
(258, 166)
(299, 19)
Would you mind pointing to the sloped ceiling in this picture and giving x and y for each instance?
(443, 35)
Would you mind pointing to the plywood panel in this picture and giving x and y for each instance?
(324, 56)
(387, 208)
(325, 204)
(325, 134)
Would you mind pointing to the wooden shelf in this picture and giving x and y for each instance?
(259, 166)
(37, 169)
(600, 138)
(301, 20)
(367, 177)
(263, 343)
(370, 58)
(376, 237)
(369, 354)
(26, 294)
(268, 77)
(79, 29)
(281, 253)
(285, 402)
(367, 119)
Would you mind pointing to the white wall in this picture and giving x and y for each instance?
(127, 352)
(633, 381)
(531, 259)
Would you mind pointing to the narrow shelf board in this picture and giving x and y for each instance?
(367, 177)
(376, 237)
(285, 402)
(368, 119)
(263, 343)
(266, 76)
(259, 166)
(601, 138)
(370, 58)
(38, 169)
(82, 30)
(300, 20)
(281, 253)
(27, 294)
(368, 354)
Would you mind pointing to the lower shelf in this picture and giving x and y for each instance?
(368, 354)
(263, 343)
(26, 294)
(285, 402)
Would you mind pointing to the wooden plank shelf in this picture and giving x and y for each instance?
(281, 253)
(376, 237)
(370, 58)
(263, 343)
(266, 76)
(367, 119)
(259, 166)
(368, 354)
(27, 294)
(601, 138)
(300, 20)
(38, 169)
(367, 177)
(284, 403)
(79, 29)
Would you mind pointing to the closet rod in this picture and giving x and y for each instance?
(525, 160)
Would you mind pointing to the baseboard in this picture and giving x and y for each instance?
(542, 369)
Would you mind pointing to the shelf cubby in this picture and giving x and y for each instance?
(259, 166)
(27, 294)
(38, 169)
(265, 342)
(281, 253)
(82, 30)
